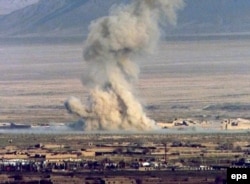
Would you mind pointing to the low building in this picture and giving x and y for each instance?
(119, 180)
(88, 153)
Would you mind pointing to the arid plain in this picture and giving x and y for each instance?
(200, 79)
(204, 79)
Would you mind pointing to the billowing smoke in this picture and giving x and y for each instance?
(128, 31)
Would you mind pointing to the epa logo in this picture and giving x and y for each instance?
(238, 177)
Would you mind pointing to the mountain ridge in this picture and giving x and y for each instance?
(69, 18)
(8, 6)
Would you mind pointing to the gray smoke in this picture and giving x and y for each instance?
(129, 30)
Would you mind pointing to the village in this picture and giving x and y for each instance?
(132, 157)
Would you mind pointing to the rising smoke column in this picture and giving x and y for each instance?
(129, 30)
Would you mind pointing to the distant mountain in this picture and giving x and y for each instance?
(8, 6)
(54, 17)
(72, 17)
(214, 16)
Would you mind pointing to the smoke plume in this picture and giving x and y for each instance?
(129, 30)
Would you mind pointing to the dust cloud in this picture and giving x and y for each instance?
(129, 30)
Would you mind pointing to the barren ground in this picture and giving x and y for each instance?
(181, 79)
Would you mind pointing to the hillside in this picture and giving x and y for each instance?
(54, 17)
(71, 18)
(214, 16)
(8, 6)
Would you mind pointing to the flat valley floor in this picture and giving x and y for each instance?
(204, 79)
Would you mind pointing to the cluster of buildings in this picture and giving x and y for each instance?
(124, 156)
(99, 157)
(235, 124)
(190, 124)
